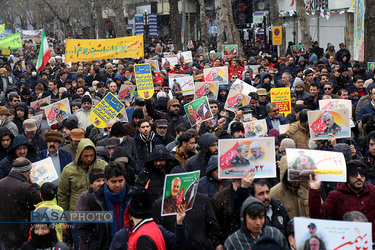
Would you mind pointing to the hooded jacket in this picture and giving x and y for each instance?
(295, 200)
(329, 52)
(6, 163)
(74, 179)
(154, 176)
(130, 167)
(209, 185)
(3, 132)
(18, 121)
(199, 161)
(262, 76)
(242, 238)
(8, 123)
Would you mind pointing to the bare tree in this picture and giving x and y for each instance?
(120, 21)
(99, 18)
(174, 20)
(203, 24)
(369, 40)
(304, 22)
(63, 11)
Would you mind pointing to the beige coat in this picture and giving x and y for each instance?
(299, 135)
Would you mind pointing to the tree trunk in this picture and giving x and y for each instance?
(236, 36)
(369, 30)
(120, 21)
(277, 21)
(220, 27)
(99, 18)
(203, 24)
(304, 23)
(174, 20)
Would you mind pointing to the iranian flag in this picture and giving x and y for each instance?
(44, 53)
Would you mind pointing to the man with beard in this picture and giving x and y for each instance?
(277, 215)
(352, 195)
(60, 158)
(84, 113)
(185, 148)
(31, 133)
(241, 159)
(68, 126)
(161, 127)
(299, 130)
(172, 115)
(222, 98)
(312, 102)
(300, 93)
(76, 135)
(6, 138)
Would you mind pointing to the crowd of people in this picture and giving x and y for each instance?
(122, 167)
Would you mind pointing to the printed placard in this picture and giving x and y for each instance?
(327, 165)
(243, 87)
(123, 116)
(236, 156)
(154, 65)
(143, 78)
(198, 110)
(255, 128)
(126, 92)
(38, 119)
(371, 66)
(179, 189)
(332, 234)
(217, 74)
(281, 97)
(214, 56)
(298, 49)
(252, 68)
(335, 104)
(172, 75)
(209, 89)
(322, 123)
(185, 56)
(185, 85)
(54, 110)
(36, 104)
(107, 109)
(230, 50)
(169, 62)
(44, 171)
(236, 100)
(283, 128)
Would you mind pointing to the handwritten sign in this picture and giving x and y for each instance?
(185, 85)
(57, 109)
(44, 171)
(281, 97)
(236, 156)
(11, 42)
(78, 50)
(107, 109)
(328, 165)
(334, 234)
(143, 78)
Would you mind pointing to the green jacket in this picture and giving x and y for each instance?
(74, 179)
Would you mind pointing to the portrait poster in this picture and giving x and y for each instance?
(283, 128)
(209, 89)
(154, 65)
(179, 189)
(198, 110)
(38, 119)
(185, 85)
(333, 234)
(185, 56)
(169, 62)
(230, 50)
(54, 110)
(123, 116)
(143, 78)
(236, 100)
(371, 66)
(255, 128)
(335, 104)
(322, 123)
(217, 74)
(44, 171)
(254, 69)
(214, 56)
(298, 49)
(242, 87)
(327, 165)
(126, 92)
(281, 97)
(236, 156)
(36, 104)
(107, 109)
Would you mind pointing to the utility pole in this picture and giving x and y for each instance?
(183, 30)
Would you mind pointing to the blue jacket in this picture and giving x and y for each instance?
(283, 120)
(366, 109)
(64, 156)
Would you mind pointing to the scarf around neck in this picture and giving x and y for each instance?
(148, 140)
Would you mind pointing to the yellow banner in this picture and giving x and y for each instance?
(79, 50)
(329, 172)
(143, 78)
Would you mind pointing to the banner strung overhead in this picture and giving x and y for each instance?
(78, 50)
(11, 42)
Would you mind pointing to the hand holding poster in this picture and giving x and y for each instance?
(332, 234)
(217, 74)
(198, 110)
(323, 123)
(126, 92)
(185, 85)
(236, 100)
(143, 78)
(209, 89)
(256, 128)
(242, 87)
(327, 165)
(281, 96)
(44, 171)
(236, 156)
(107, 109)
(56, 110)
(179, 189)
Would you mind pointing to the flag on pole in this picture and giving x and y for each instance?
(341, 12)
(44, 53)
(313, 12)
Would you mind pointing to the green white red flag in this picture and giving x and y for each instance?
(44, 53)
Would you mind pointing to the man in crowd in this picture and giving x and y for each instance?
(185, 148)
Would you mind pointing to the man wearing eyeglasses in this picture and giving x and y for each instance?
(352, 195)
(274, 120)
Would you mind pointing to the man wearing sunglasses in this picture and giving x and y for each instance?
(274, 119)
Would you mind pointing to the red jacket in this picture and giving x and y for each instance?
(238, 70)
(344, 200)
(149, 228)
